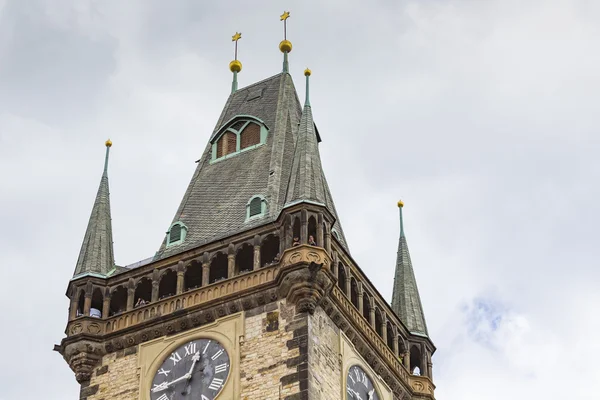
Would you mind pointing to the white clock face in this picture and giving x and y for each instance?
(359, 386)
(196, 370)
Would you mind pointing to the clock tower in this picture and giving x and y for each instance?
(253, 293)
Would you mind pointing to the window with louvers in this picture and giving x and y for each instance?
(255, 206)
(175, 233)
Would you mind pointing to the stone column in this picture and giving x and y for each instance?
(106, 304)
(205, 269)
(320, 228)
(155, 284)
(361, 293)
(372, 315)
(256, 252)
(384, 327)
(406, 359)
(429, 366)
(348, 285)
(73, 308)
(180, 277)
(230, 266)
(303, 227)
(327, 238)
(282, 238)
(395, 344)
(130, 299)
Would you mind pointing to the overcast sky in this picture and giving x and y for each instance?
(482, 116)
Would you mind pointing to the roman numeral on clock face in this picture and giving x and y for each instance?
(163, 397)
(216, 384)
(220, 368)
(175, 357)
(163, 371)
(203, 397)
(206, 347)
(190, 349)
(217, 354)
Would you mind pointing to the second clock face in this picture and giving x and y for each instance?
(359, 386)
(197, 370)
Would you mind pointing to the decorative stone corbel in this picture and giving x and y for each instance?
(83, 356)
(306, 286)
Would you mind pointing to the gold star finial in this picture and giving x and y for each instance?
(236, 37)
(285, 15)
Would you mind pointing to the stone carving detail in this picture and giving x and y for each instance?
(305, 286)
(75, 329)
(94, 329)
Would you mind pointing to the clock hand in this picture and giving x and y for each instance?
(195, 359)
(165, 385)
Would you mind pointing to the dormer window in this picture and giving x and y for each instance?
(176, 234)
(256, 207)
(240, 134)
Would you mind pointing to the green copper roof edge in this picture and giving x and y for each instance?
(93, 274)
(293, 203)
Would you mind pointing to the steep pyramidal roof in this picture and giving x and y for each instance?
(406, 301)
(214, 205)
(307, 180)
(96, 255)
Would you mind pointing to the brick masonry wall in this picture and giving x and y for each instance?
(118, 378)
(273, 353)
(324, 362)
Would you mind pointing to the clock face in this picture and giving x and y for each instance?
(197, 370)
(359, 386)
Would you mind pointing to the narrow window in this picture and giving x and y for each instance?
(255, 206)
(175, 234)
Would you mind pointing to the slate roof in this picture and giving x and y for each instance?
(406, 301)
(214, 205)
(96, 255)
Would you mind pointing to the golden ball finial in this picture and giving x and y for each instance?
(400, 204)
(108, 143)
(285, 46)
(307, 72)
(235, 66)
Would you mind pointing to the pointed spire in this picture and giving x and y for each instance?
(406, 301)
(235, 66)
(285, 45)
(96, 255)
(307, 182)
(307, 73)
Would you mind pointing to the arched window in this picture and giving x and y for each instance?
(250, 136)
(80, 303)
(97, 303)
(269, 251)
(237, 136)
(354, 292)
(342, 278)
(256, 207)
(390, 335)
(176, 234)
(244, 259)
(312, 231)
(118, 300)
(218, 268)
(366, 307)
(378, 322)
(193, 276)
(143, 292)
(168, 284)
(296, 232)
(415, 361)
